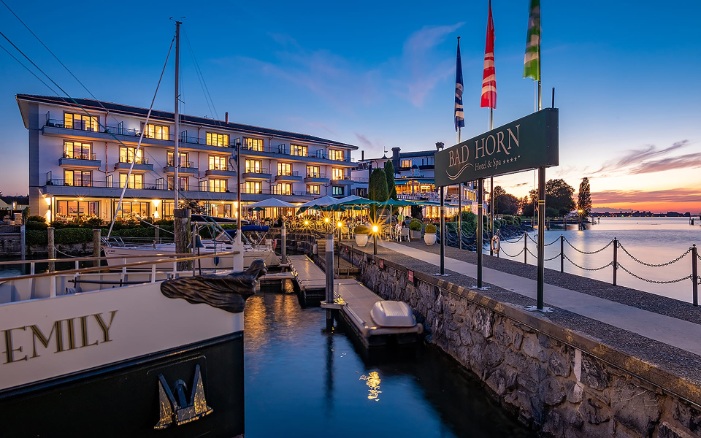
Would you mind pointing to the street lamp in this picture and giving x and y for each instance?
(375, 230)
(339, 225)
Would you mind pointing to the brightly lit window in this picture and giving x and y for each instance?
(313, 172)
(405, 163)
(82, 122)
(337, 191)
(217, 163)
(216, 139)
(183, 159)
(217, 185)
(283, 189)
(77, 150)
(284, 169)
(184, 181)
(128, 154)
(313, 189)
(337, 173)
(298, 150)
(159, 132)
(254, 166)
(253, 144)
(78, 178)
(255, 187)
(136, 181)
(335, 155)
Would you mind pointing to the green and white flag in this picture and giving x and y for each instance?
(531, 62)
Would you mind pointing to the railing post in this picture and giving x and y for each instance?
(96, 240)
(51, 247)
(562, 253)
(329, 280)
(694, 275)
(615, 259)
(525, 247)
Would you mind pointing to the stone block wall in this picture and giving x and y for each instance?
(562, 383)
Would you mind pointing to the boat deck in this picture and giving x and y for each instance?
(354, 302)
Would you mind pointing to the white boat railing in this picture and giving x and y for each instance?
(123, 268)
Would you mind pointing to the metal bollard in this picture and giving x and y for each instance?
(694, 275)
(615, 259)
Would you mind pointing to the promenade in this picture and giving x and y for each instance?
(656, 329)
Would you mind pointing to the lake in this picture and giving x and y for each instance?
(655, 241)
(303, 382)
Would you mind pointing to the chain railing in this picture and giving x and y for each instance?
(614, 263)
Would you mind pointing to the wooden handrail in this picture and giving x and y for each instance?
(169, 258)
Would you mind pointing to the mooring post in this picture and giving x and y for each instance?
(23, 241)
(615, 259)
(157, 236)
(525, 247)
(181, 229)
(694, 275)
(329, 279)
(283, 237)
(96, 240)
(51, 247)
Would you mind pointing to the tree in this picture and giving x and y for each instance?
(559, 196)
(528, 203)
(377, 189)
(504, 203)
(584, 199)
(389, 175)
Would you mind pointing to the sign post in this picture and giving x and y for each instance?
(531, 142)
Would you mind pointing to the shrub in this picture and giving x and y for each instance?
(430, 229)
(415, 225)
(33, 225)
(41, 219)
(73, 235)
(362, 229)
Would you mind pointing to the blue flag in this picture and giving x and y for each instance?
(459, 115)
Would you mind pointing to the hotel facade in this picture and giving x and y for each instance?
(83, 153)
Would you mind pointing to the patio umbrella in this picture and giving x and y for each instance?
(398, 203)
(271, 203)
(324, 201)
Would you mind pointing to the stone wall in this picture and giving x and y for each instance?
(561, 382)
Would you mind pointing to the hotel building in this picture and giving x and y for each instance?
(83, 152)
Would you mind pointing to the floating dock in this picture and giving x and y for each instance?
(359, 308)
(311, 279)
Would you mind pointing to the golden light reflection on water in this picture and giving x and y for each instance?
(372, 380)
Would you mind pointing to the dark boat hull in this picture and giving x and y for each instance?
(122, 400)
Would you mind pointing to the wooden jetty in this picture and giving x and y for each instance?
(358, 307)
(311, 279)
(342, 267)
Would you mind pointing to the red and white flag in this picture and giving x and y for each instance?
(489, 78)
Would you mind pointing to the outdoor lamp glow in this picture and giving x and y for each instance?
(327, 220)
(339, 224)
(306, 222)
(375, 229)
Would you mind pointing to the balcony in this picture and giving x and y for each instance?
(84, 161)
(141, 165)
(186, 168)
(222, 172)
(253, 173)
(288, 176)
(316, 177)
(345, 181)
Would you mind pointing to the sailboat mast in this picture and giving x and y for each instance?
(176, 152)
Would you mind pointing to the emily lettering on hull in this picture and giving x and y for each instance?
(25, 342)
(524, 144)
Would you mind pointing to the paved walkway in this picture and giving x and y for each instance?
(671, 331)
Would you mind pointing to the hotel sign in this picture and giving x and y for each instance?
(524, 144)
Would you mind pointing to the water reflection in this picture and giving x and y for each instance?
(303, 381)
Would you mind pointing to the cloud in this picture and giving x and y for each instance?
(636, 161)
(420, 69)
(677, 195)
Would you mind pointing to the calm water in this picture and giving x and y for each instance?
(650, 240)
(303, 382)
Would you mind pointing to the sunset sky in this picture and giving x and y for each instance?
(379, 75)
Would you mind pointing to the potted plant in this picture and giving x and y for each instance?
(430, 234)
(362, 233)
(415, 229)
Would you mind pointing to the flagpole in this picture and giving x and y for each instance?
(491, 187)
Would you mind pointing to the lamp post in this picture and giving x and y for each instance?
(375, 230)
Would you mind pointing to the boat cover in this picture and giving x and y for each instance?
(392, 314)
